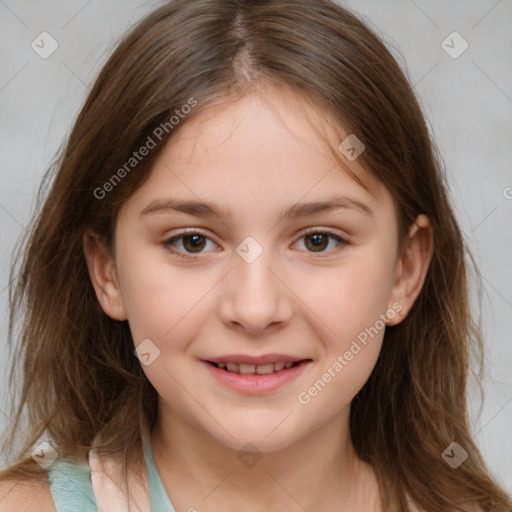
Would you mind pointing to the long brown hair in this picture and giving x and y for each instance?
(74, 369)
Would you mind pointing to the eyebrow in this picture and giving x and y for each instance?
(205, 209)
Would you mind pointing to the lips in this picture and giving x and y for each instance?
(256, 375)
(256, 360)
(251, 369)
(255, 365)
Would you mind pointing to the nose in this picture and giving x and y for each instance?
(254, 297)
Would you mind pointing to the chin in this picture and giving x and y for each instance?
(262, 437)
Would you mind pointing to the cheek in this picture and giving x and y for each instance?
(332, 390)
(354, 310)
(160, 298)
(350, 309)
(349, 299)
(166, 314)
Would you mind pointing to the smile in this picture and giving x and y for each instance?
(255, 376)
(260, 369)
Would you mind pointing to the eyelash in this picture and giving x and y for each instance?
(311, 231)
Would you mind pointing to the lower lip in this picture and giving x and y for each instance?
(255, 384)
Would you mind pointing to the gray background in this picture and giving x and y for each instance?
(467, 100)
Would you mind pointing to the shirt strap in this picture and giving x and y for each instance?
(71, 487)
(108, 488)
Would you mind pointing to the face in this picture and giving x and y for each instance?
(259, 280)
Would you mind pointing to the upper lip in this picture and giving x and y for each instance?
(256, 360)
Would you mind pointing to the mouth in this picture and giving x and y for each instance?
(256, 369)
(256, 375)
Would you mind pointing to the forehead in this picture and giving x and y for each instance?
(274, 121)
(269, 148)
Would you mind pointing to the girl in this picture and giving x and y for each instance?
(246, 287)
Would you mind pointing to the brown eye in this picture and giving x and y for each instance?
(194, 243)
(318, 242)
(188, 245)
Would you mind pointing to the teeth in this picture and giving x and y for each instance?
(263, 369)
(232, 367)
(246, 368)
(251, 369)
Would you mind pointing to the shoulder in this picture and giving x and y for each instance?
(65, 485)
(26, 495)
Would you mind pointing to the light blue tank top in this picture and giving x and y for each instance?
(72, 491)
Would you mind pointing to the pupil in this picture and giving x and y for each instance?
(318, 240)
(195, 240)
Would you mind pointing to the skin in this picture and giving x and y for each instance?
(257, 156)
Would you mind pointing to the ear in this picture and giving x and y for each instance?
(412, 266)
(102, 273)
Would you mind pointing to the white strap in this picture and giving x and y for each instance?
(109, 492)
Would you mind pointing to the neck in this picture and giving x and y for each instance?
(318, 470)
